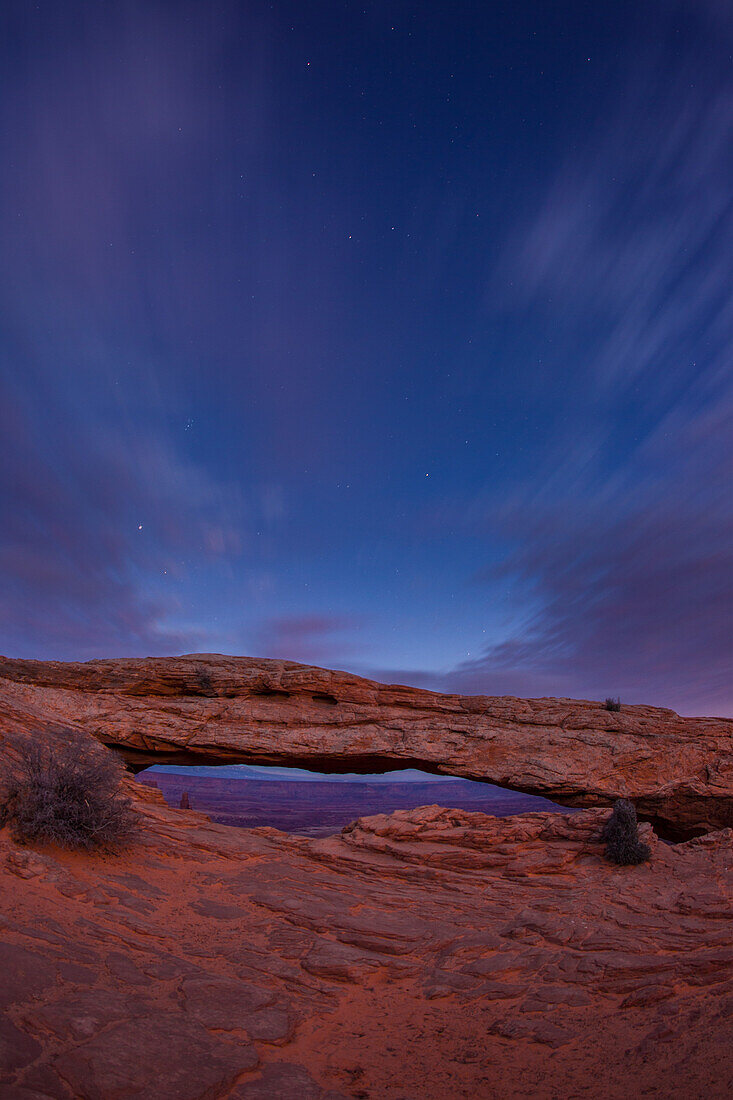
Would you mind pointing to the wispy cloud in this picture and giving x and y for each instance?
(313, 639)
(623, 540)
(98, 528)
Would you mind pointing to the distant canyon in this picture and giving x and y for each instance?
(321, 807)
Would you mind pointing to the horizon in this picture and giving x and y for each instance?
(396, 342)
(302, 775)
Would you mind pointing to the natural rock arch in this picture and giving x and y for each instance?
(208, 708)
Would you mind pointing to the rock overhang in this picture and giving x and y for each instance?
(209, 708)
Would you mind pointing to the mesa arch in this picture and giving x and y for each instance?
(208, 708)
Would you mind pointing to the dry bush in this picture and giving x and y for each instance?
(621, 834)
(68, 794)
(612, 704)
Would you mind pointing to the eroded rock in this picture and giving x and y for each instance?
(209, 708)
(427, 953)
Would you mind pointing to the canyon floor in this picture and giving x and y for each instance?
(426, 954)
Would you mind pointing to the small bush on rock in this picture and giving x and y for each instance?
(621, 834)
(69, 795)
(612, 704)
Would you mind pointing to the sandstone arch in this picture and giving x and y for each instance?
(208, 708)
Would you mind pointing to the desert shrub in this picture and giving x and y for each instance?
(621, 834)
(69, 795)
(612, 704)
(202, 684)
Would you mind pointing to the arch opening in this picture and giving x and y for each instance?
(314, 803)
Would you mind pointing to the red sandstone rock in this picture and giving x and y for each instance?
(431, 953)
(427, 954)
(208, 708)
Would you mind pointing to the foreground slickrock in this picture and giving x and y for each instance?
(209, 708)
(427, 955)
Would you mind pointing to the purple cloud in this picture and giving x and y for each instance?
(98, 528)
(312, 639)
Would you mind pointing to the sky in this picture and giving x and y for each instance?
(391, 337)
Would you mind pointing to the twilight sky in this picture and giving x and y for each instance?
(394, 337)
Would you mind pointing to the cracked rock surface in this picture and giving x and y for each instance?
(426, 954)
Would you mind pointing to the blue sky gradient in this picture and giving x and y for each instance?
(394, 338)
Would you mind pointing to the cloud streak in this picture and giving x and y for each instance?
(623, 540)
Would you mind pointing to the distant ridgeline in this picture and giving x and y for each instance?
(314, 805)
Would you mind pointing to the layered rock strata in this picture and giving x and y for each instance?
(214, 709)
(428, 954)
